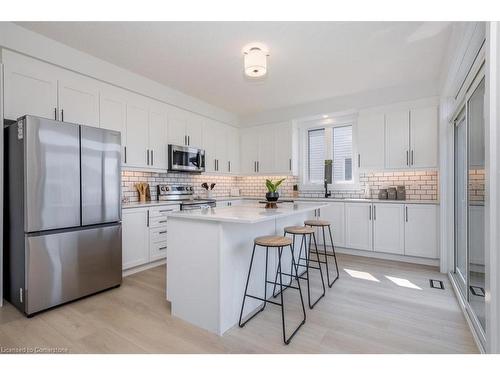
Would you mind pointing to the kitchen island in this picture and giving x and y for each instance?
(209, 254)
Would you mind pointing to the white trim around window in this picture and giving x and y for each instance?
(330, 121)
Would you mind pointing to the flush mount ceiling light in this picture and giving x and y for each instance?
(255, 56)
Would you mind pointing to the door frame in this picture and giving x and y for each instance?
(462, 111)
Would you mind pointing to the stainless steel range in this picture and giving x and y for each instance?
(184, 194)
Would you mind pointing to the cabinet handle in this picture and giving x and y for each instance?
(359, 160)
(406, 209)
(162, 248)
(185, 140)
(165, 210)
(411, 159)
(152, 158)
(407, 161)
(189, 140)
(290, 164)
(162, 232)
(147, 156)
(162, 221)
(258, 166)
(229, 166)
(55, 114)
(62, 115)
(374, 212)
(370, 213)
(147, 223)
(255, 166)
(125, 149)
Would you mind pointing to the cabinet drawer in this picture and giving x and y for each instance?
(157, 250)
(157, 221)
(158, 234)
(162, 211)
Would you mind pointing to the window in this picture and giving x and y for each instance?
(342, 154)
(330, 143)
(317, 154)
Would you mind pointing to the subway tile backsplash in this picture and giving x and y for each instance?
(420, 185)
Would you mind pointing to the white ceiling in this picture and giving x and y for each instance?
(308, 61)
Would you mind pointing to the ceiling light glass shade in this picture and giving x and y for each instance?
(255, 56)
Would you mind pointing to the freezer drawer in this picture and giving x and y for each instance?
(100, 175)
(68, 265)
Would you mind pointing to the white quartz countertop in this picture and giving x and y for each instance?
(148, 204)
(253, 199)
(248, 213)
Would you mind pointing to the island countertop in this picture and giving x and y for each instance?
(248, 213)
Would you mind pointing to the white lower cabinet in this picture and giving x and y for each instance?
(421, 230)
(358, 226)
(388, 228)
(135, 237)
(394, 228)
(144, 234)
(334, 213)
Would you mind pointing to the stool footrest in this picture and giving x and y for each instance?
(263, 300)
(284, 286)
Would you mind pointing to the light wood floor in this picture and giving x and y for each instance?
(356, 316)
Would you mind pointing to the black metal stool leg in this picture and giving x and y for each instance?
(311, 306)
(285, 340)
(245, 295)
(326, 260)
(334, 255)
(291, 271)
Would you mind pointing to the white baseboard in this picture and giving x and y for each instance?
(386, 256)
(143, 267)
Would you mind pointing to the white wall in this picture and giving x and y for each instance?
(24, 41)
(353, 102)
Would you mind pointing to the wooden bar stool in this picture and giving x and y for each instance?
(304, 232)
(314, 223)
(275, 242)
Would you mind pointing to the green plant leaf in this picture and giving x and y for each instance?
(270, 186)
(278, 183)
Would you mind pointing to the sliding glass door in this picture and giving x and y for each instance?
(469, 181)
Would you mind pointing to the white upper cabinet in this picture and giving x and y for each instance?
(358, 226)
(185, 128)
(397, 140)
(177, 127)
(210, 145)
(137, 132)
(78, 99)
(269, 149)
(249, 155)
(194, 130)
(371, 140)
(113, 113)
(421, 230)
(424, 137)
(266, 159)
(158, 148)
(233, 150)
(283, 148)
(388, 228)
(30, 87)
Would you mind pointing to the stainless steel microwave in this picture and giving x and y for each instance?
(185, 159)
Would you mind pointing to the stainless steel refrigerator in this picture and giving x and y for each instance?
(62, 217)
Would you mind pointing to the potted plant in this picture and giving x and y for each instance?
(272, 194)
